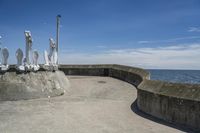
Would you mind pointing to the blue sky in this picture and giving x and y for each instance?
(144, 33)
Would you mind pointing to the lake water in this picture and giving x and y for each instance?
(176, 76)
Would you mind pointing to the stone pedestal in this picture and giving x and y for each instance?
(18, 86)
(50, 67)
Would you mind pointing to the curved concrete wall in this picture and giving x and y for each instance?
(132, 75)
(172, 102)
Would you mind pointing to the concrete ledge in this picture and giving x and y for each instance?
(172, 102)
(132, 75)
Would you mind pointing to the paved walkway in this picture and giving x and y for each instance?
(92, 105)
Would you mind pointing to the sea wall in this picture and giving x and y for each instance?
(176, 103)
(132, 75)
(173, 102)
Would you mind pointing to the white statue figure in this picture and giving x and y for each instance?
(52, 57)
(36, 67)
(53, 54)
(5, 55)
(19, 56)
(29, 41)
(46, 58)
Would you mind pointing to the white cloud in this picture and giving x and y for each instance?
(101, 46)
(194, 29)
(143, 42)
(171, 57)
(170, 40)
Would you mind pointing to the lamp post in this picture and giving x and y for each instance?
(0, 50)
(0, 42)
(57, 32)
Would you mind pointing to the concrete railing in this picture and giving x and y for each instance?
(172, 102)
(132, 75)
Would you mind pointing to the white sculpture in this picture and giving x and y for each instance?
(36, 67)
(52, 57)
(19, 56)
(5, 55)
(27, 64)
(29, 41)
(46, 58)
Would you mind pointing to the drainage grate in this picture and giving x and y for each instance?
(102, 82)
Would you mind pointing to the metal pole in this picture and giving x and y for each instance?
(57, 32)
(0, 50)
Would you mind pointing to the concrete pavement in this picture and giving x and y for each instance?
(91, 105)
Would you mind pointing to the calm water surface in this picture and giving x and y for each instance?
(176, 76)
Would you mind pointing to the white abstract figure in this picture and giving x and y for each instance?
(29, 41)
(36, 67)
(46, 58)
(19, 56)
(52, 57)
(5, 55)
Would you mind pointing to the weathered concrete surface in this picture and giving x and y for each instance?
(173, 102)
(178, 90)
(16, 86)
(92, 105)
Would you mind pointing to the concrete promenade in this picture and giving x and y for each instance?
(91, 105)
